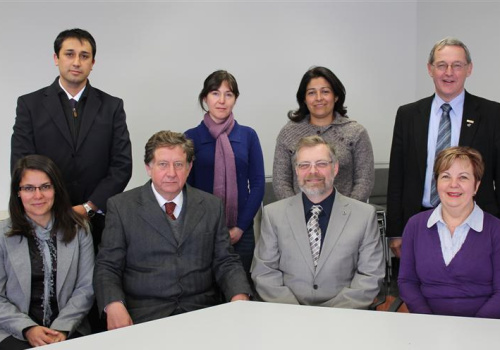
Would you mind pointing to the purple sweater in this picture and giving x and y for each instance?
(468, 286)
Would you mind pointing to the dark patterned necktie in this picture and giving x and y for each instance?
(73, 103)
(314, 233)
(443, 141)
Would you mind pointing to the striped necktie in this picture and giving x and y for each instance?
(443, 141)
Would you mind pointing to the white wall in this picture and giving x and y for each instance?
(156, 55)
(477, 24)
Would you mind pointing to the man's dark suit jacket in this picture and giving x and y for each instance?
(142, 264)
(480, 130)
(99, 165)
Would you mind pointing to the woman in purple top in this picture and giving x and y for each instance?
(450, 260)
(228, 161)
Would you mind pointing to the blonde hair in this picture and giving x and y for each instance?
(448, 156)
(311, 141)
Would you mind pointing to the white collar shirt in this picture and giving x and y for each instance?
(77, 96)
(450, 245)
(178, 200)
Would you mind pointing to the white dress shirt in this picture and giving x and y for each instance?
(178, 200)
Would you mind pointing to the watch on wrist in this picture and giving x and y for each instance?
(88, 208)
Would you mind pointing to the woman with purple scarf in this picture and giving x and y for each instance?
(228, 161)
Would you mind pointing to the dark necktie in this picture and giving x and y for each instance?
(314, 233)
(169, 208)
(73, 103)
(443, 141)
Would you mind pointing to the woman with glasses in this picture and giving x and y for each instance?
(450, 258)
(46, 260)
(228, 161)
(321, 111)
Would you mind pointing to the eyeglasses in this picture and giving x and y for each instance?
(320, 164)
(32, 189)
(455, 66)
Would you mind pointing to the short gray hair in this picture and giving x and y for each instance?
(449, 41)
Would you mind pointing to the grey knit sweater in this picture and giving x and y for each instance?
(354, 152)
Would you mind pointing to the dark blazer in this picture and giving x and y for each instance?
(480, 130)
(99, 165)
(142, 264)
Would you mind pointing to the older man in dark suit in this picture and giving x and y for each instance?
(82, 129)
(165, 249)
(469, 120)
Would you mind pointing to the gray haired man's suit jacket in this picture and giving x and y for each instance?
(141, 263)
(350, 267)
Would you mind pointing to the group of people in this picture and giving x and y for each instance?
(76, 244)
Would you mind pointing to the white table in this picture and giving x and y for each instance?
(258, 326)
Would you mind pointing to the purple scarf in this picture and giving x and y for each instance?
(225, 186)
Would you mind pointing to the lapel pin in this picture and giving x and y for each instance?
(469, 122)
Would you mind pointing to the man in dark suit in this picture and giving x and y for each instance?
(165, 248)
(82, 129)
(475, 122)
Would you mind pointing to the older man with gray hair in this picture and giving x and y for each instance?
(165, 249)
(450, 117)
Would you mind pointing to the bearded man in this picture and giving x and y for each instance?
(318, 247)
